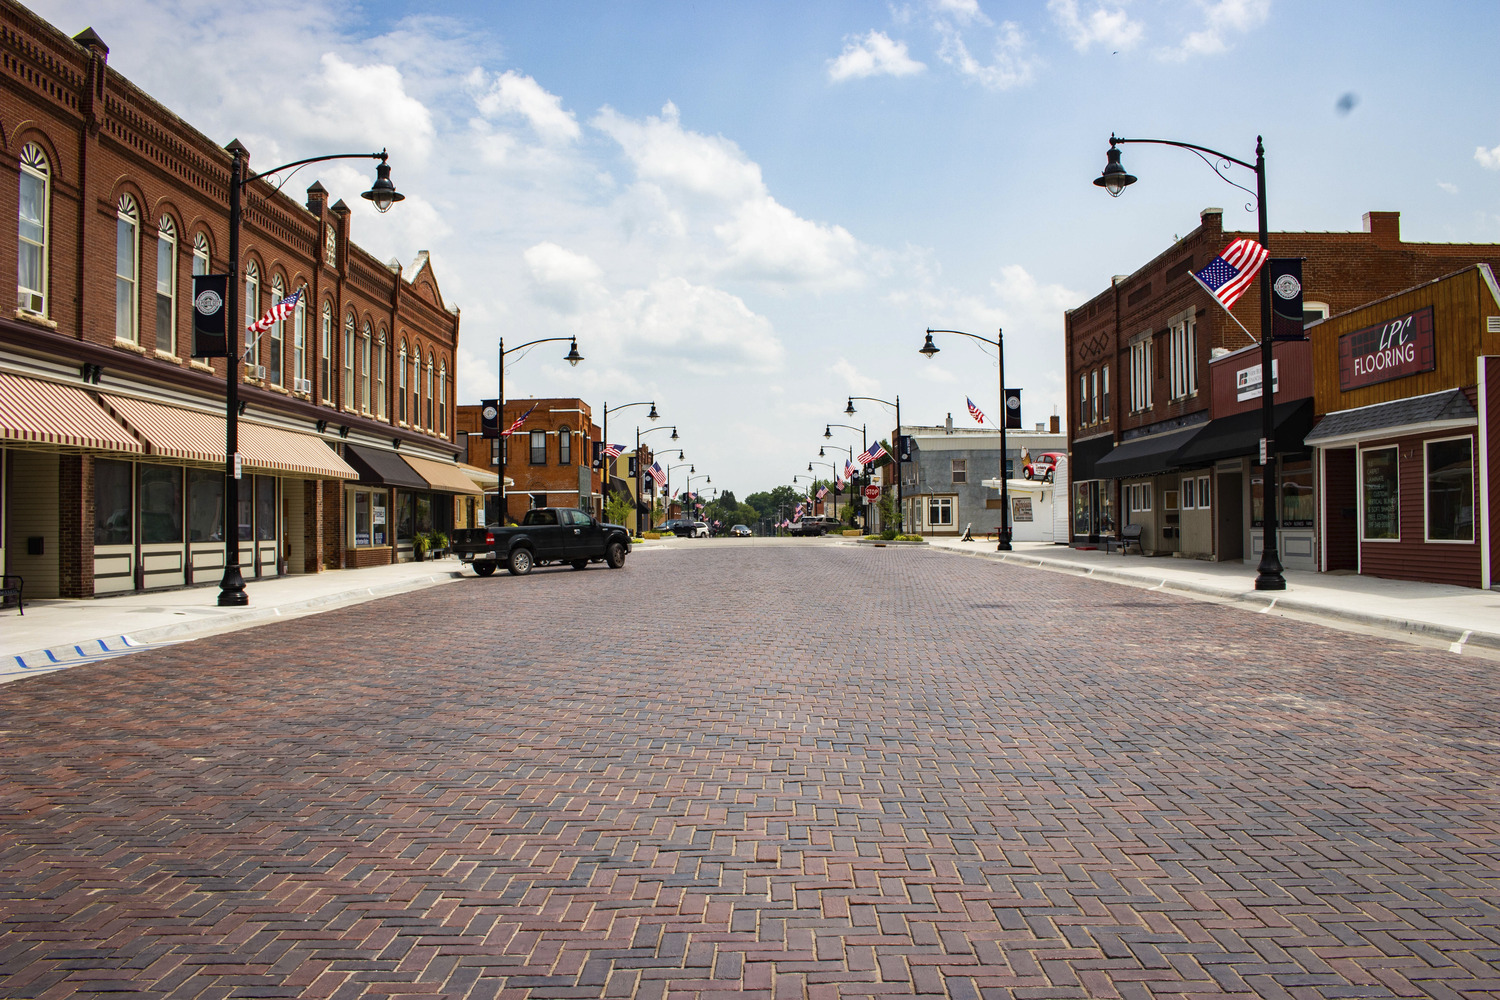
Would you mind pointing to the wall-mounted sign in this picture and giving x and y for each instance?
(1247, 381)
(1023, 509)
(1395, 349)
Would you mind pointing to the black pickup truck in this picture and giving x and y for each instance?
(545, 535)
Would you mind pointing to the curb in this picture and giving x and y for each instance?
(1457, 638)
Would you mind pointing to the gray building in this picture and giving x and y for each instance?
(943, 482)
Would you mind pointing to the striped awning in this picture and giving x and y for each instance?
(197, 436)
(63, 416)
(443, 476)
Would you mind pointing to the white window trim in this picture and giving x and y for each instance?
(1189, 493)
(276, 337)
(366, 336)
(166, 232)
(952, 504)
(34, 163)
(401, 387)
(127, 211)
(325, 360)
(1473, 475)
(349, 332)
(1359, 470)
(382, 359)
(1205, 493)
(299, 340)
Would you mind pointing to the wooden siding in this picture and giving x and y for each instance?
(1414, 558)
(1492, 441)
(1293, 376)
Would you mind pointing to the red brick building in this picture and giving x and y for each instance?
(1143, 355)
(548, 460)
(112, 434)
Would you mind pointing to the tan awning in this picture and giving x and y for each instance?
(60, 415)
(443, 476)
(481, 477)
(196, 436)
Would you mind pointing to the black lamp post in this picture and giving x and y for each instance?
(640, 471)
(609, 462)
(382, 195)
(668, 488)
(895, 459)
(864, 443)
(928, 350)
(1115, 179)
(572, 358)
(835, 469)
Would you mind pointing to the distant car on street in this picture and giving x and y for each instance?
(815, 524)
(1042, 466)
(740, 531)
(700, 529)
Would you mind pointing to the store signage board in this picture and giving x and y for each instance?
(1247, 381)
(1395, 349)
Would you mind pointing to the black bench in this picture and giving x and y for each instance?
(10, 589)
(1131, 533)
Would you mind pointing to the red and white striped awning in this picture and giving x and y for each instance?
(63, 416)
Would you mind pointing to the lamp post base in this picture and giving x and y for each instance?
(232, 589)
(1269, 577)
(1004, 545)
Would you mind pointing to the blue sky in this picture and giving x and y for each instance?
(748, 211)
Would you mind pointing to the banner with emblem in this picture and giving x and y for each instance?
(210, 315)
(1286, 298)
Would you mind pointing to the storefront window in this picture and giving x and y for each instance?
(361, 518)
(424, 512)
(377, 518)
(1380, 494)
(159, 492)
(265, 508)
(246, 509)
(205, 505)
(406, 524)
(1107, 506)
(1257, 501)
(1080, 508)
(112, 509)
(1450, 490)
(1297, 493)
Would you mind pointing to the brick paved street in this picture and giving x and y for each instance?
(785, 770)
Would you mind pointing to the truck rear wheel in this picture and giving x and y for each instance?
(520, 562)
(580, 564)
(614, 555)
(484, 568)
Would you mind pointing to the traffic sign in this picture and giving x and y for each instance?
(872, 492)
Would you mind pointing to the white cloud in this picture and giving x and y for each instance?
(1111, 28)
(1449, 188)
(1222, 18)
(854, 379)
(513, 93)
(1488, 158)
(873, 55)
(1012, 65)
(963, 11)
(561, 279)
(704, 329)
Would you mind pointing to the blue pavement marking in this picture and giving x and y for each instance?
(62, 657)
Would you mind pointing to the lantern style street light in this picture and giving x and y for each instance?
(895, 459)
(1115, 179)
(927, 350)
(640, 471)
(382, 195)
(572, 358)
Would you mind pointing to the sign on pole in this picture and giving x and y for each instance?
(872, 492)
(210, 318)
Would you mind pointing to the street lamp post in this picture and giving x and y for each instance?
(895, 459)
(653, 416)
(668, 488)
(382, 195)
(640, 461)
(928, 350)
(1115, 179)
(864, 443)
(835, 469)
(572, 358)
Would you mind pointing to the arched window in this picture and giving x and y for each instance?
(348, 399)
(276, 336)
(166, 285)
(325, 355)
(431, 371)
(299, 344)
(416, 387)
(200, 254)
(380, 357)
(564, 445)
(443, 398)
(401, 385)
(252, 312)
(364, 369)
(36, 192)
(127, 269)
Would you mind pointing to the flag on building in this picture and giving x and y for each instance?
(615, 450)
(280, 310)
(519, 421)
(1230, 273)
(657, 474)
(873, 454)
(974, 411)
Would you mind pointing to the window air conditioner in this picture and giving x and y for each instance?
(303, 385)
(257, 372)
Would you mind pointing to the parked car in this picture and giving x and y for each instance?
(740, 531)
(1042, 466)
(700, 529)
(545, 535)
(815, 524)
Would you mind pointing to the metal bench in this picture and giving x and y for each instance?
(1129, 534)
(10, 589)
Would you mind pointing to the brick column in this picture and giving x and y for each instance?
(312, 525)
(75, 490)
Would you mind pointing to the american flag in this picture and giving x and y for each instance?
(519, 421)
(872, 454)
(822, 492)
(280, 310)
(838, 481)
(1230, 273)
(974, 411)
(614, 450)
(849, 470)
(656, 473)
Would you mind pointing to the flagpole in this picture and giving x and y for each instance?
(1194, 275)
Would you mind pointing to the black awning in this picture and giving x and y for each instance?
(1145, 456)
(1084, 456)
(1239, 433)
(385, 468)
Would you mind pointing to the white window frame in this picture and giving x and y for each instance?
(401, 386)
(299, 341)
(1095, 411)
(366, 335)
(380, 368)
(1323, 312)
(958, 468)
(1189, 494)
(349, 326)
(1083, 400)
(127, 285)
(1205, 493)
(1183, 355)
(1141, 497)
(35, 168)
(416, 387)
(443, 398)
(276, 347)
(252, 313)
(431, 374)
(325, 359)
(166, 286)
(1104, 395)
(1426, 496)
(1359, 495)
(1140, 375)
(947, 505)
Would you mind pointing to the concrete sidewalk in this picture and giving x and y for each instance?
(55, 634)
(1460, 617)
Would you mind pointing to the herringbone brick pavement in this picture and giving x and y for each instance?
(778, 772)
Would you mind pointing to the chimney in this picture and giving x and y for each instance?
(1056, 425)
(1385, 227)
(948, 427)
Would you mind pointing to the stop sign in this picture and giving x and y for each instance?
(872, 492)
